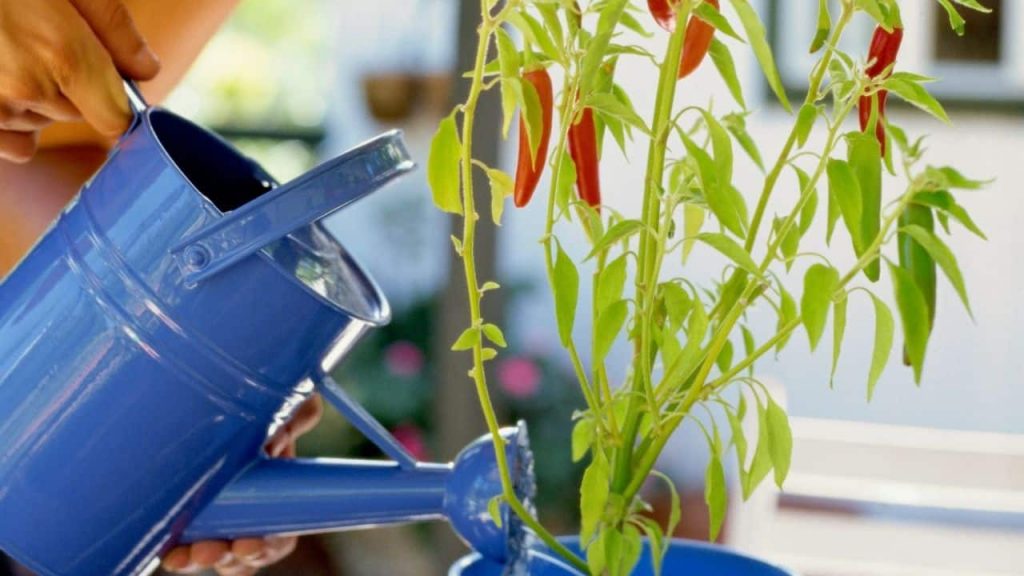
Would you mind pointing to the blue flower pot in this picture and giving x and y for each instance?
(684, 557)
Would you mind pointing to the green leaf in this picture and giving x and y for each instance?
(737, 126)
(708, 13)
(911, 91)
(610, 105)
(787, 313)
(838, 331)
(956, 21)
(749, 345)
(722, 146)
(549, 13)
(865, 157)
(762, 50)
(511, 96)
(494, 509)
(593, 496)
(501, 187)
(739, 439)
(884, 328)
(844, 189)
(508, 54)
(949, 178)
(622, 230)
(790, 243)
(942, 200)
(609, 324)
(582, 438)
(715, 495)
(469, 338)
(567, 289)
(495, 335)
(596, 49)
(693, 221)
(819, 283)
(731, 250)
(722, 58)
(944, 257)
(716, 193)
(533, 115)
(677, 303)
(761, 464)
(780, 439)
(724, 360)
(566, 182)
(805, 123)
(824, 27)
(810, 207)
(913, 316)
(443, 166)
(611, 283)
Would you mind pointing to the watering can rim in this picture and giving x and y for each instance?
(370, 291)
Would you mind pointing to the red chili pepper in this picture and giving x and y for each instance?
(583, 149)
(697, 42)
(885, 46)
(664, 13)
(530, 167)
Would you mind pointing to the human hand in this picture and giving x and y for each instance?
(62, 60)
(246, 556)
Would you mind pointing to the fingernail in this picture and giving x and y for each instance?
(226, 560)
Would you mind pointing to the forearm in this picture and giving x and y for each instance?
(31, 195)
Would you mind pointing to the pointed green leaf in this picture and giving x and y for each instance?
(805, 123)
(722, 58)
(824, 27)
(501, 188)
(593, 495)
(715, 192)
(913, 316)
(737, 126)
(865, 158)
(761, 465)
(884, 328)
(469, 338)
(838, 331)
(567, 288)
(611, 283)
(780, 439)
(819, 283)
(915, 94)
(845, 190)
(443, 166)
(693, 221)
(715, 495)
(582, 438)
(609, 324)
(622, 230)
(731, 250)
(762, 50)
(944, 201)
(495, 335)
(944, 257)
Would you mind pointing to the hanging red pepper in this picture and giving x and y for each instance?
(885, 46)
(530, 167)
(583, 149)
(697, 42)
(698, 33)
(664, 13)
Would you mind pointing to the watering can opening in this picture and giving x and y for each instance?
(215, 169)
(229, 184)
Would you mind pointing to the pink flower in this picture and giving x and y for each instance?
(411, 437)
(403, 358)
(519, 377)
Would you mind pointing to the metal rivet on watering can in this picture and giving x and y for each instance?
(196, 257)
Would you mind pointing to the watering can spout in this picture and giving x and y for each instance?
(322, 495)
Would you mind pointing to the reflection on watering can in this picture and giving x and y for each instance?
(169, 320)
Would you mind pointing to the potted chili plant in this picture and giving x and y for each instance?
(690, 338)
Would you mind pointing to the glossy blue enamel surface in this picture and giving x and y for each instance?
(139, 382)
(683, 557)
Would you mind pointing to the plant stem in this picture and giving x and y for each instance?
(647, 272)
(474, 294)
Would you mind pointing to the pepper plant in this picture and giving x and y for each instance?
(690, 338)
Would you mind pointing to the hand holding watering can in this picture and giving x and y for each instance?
(175, 315)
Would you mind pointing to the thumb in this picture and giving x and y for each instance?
(115, 28)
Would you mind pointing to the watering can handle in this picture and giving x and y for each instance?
(328, 188)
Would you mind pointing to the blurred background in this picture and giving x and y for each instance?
(922, 480)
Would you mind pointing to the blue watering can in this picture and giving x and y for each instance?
(175, 314)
